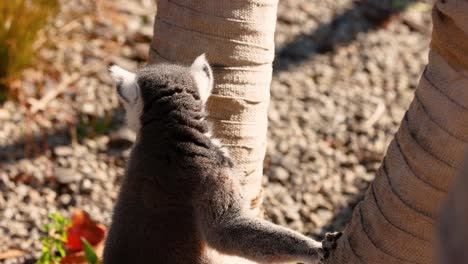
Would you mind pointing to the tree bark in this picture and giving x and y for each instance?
(395, 223)
(452, 234)
(238, 40)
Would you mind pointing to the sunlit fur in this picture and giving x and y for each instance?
(180, 200)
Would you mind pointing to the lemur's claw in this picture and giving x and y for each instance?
(329, 243)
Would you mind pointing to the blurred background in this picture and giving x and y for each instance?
(344, 74)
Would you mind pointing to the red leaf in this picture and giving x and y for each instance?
(83, 227)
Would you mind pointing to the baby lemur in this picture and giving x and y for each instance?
(180, 197)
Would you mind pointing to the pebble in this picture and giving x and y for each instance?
(86, 186)
(88, 108)
(63, 151)
(66, 175)
(279, 174)
(65, 199)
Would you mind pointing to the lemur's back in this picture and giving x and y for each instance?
(155, 207)
(155, 204)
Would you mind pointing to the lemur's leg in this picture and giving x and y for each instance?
(262, 241)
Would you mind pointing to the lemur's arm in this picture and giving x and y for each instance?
(228, 228)
(261, 241)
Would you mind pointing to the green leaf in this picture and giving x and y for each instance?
(46, 228)
(61, 250)
(52, 243)
(63, 237)
(90, 255)
(45, 257)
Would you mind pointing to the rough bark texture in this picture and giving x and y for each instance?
(238, 39)
(452, 233)
(395, 221)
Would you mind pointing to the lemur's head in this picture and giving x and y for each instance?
(138, 90)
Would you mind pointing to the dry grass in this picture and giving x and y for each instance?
(20, 24)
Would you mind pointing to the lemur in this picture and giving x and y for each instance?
(180, 197)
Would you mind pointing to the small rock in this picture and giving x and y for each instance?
(63, 151)
(86, 186)
(291, 213)
(65, 199)
(65, 175)
(91, 144)
(4, 114)
(33, 197)
(279, 174)
(88, 108)
(324, 215)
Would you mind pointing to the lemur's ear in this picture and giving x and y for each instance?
(129, 95)
(203, 76)
(125, 83)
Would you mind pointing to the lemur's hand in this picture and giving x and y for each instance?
(329, 243)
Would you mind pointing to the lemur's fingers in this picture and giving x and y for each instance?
(330, 240)
(329, 243)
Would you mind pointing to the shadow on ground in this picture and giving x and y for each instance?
(85, 127)
(362, 17)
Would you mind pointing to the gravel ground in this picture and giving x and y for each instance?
(344, 76)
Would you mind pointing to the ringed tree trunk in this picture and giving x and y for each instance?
(238, 40)
(395, 223)
(452, 233)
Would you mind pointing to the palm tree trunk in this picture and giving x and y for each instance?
(238, 40)
(395, 223)
(452, 233)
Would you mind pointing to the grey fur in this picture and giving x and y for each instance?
(180, 195)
